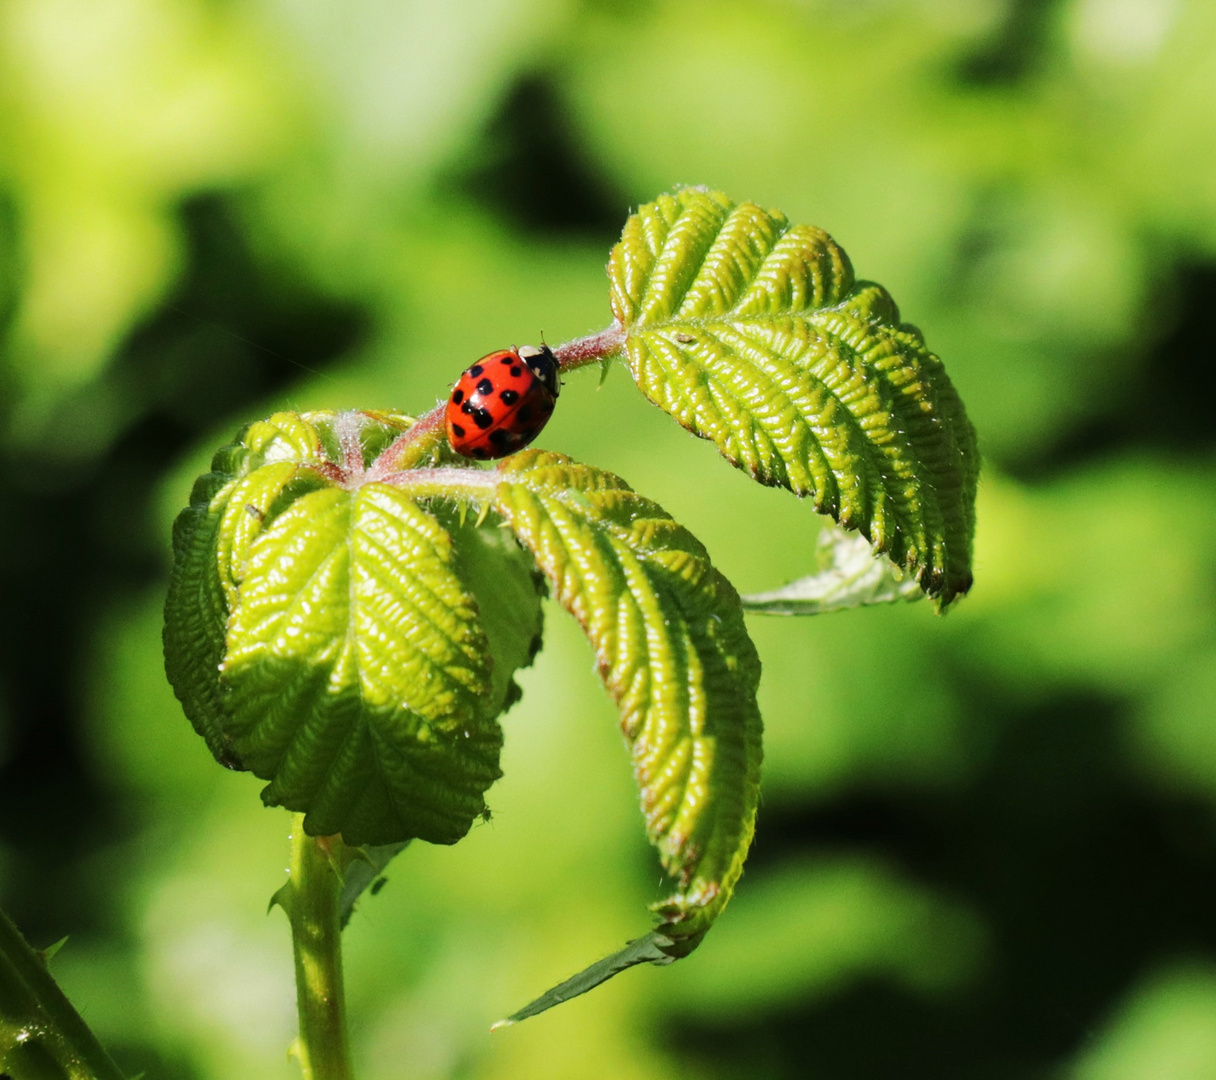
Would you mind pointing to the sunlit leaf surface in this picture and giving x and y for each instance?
(326, 635)
(754, 334)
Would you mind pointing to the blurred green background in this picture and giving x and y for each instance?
(987, 844)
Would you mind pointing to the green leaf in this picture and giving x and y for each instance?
(850, 575)
(195, 610)
(509, 590)
(652, 948)
(672, 649)
(357, 673)
(228, 508)
(754, 334)
(362, 868)
(322, 631)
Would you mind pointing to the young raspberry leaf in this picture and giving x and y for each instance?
(320, 633)
(357, 674)
(754, 334)
(672, 649)
(850, 575)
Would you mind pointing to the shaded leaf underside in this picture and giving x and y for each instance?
(754, 334)
(195, 609)
(850, 575)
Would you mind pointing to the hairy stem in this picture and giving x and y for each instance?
(448, 483)
(310, 899)
(411, 447)
(590, 349)
(41, 1035)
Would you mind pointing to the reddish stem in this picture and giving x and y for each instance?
(587, 350)
(427, 430)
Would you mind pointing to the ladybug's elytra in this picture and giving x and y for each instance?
(500, 404)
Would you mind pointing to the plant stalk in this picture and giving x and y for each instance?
(310, 899)
(590, 349)
(41, 1035)
(414, 445)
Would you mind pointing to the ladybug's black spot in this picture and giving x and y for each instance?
(476, 370)
(517, 371)
(500, 438)
(506, 360)
(481, 453)
(467, 408)
(485, 387)
(458, 431)
(509, 397)
(457, 397)
(525, 414)
(482, 418)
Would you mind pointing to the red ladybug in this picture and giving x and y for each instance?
(500, 404)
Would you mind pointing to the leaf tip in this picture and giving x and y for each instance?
(652, 948)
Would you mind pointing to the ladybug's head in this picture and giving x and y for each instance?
(543, 364)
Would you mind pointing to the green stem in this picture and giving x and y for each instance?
(310, 899)
(41, 1036)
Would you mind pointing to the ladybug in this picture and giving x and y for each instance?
(500, 404)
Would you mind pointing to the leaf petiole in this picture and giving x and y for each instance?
(590, 349)
(412, 446)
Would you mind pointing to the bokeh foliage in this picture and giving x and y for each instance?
(986, 842)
